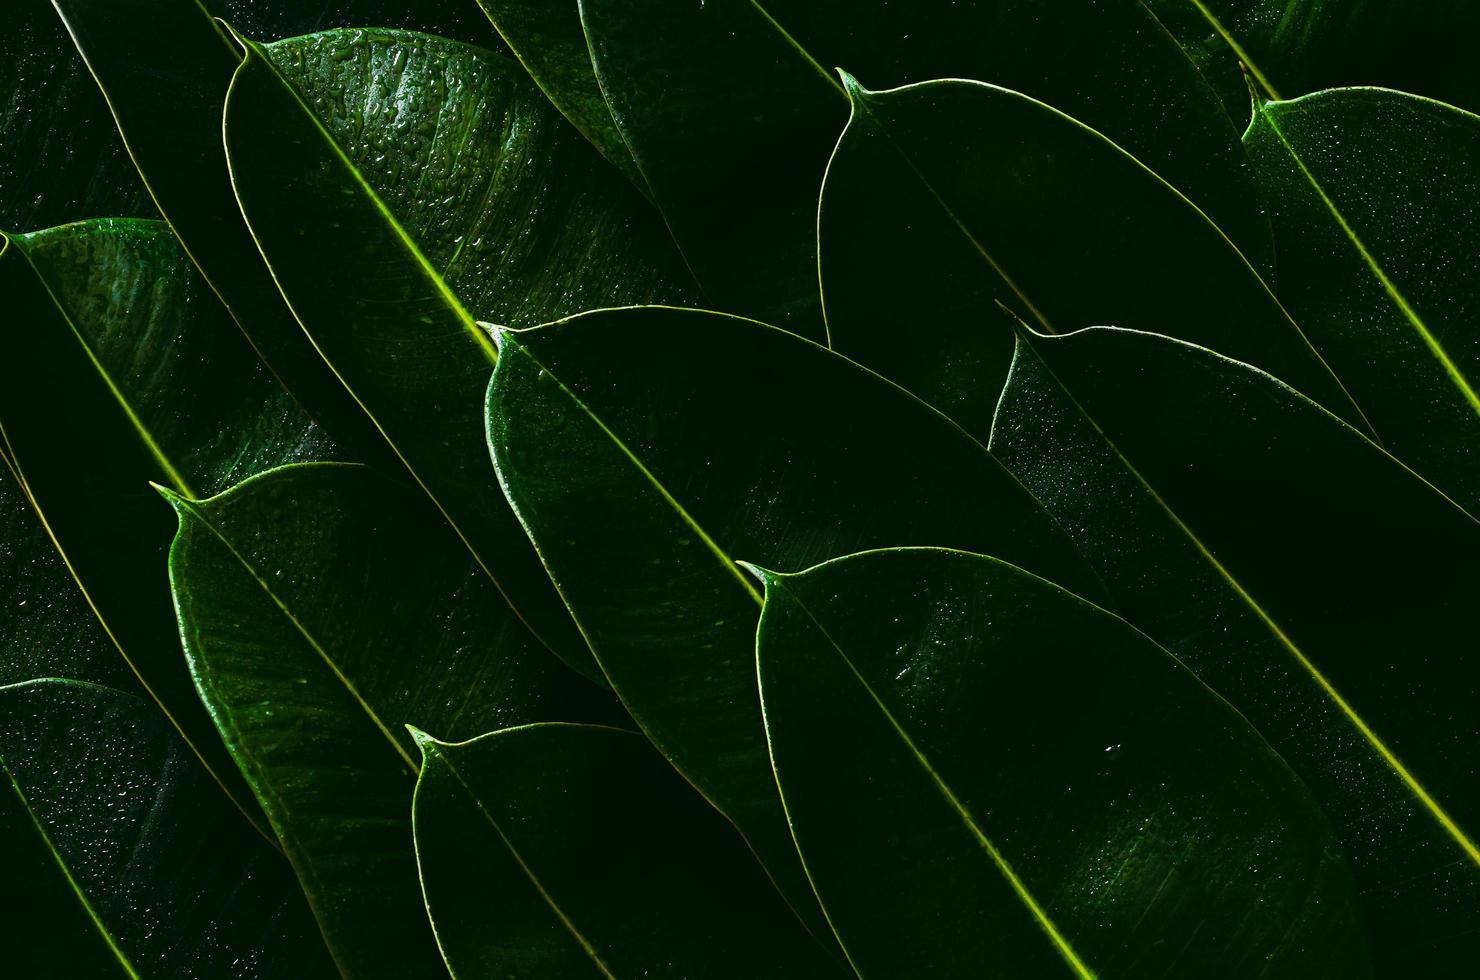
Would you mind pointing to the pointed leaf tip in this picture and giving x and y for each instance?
(171, 497)
(425, 742)
(850, 84)
(766, 576)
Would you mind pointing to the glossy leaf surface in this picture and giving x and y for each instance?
(60, 158)
(641, 478)
(131, 373)
(988, 775)
(1298, 570)
(1376, 199)
(150, 54)
(178, 884)
(376, 213)
(731, 110)
(1292, 47)
(574, 850)
(550, 41)
(322, 608)
(931, 217)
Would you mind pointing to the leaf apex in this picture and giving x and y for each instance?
(851, 85)
(425, 742)
(171, 497)
(765, 575)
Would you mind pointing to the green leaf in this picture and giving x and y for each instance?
(988, 775)
(164, 67)
(174, 881)
(1298, 46)
(1299, 571)
(573, 850)
(930, 218)
(60, 159)
(640, 475)
(323, 607)
(730, 112)
(481, 201)
(131, 372)
(1375, 200)
(551, 44)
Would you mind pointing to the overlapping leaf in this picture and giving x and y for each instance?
(932, 216)
(574, 850)
(1302, 573)
(1375, 197)
(641, 476)
(988, 776)
(322, 608)
(394, 170)
(177, 884)
(730, 112)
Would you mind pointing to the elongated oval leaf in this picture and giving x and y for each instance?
(948, 198)
(129, 373)
(164, 67)
(730, 112)
(322, 608)
(573, 850)
(1375, 197)
(1303, 574)
(640, 477)
(176, 882)
(988, 775)
(551, 43)
(60, 158)
(477, 185)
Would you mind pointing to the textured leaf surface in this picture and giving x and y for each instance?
(164, 67)
(1296, 46)
(573, 850)
(640, 478)
(550, 41)
(1303, 574)
(130, 372)
(947, 198)
(1376, 199)
(397, 173)
(60, 158)
(988, 775)
(322, 608)
(178, 884)
(730, 112)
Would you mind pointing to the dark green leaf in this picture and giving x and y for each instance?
(60, 158)
(377, 212)
(947, 198)
(131, 372)
(640, 473)
(1304, 575)
(460, 20)
(573, 850)
(1375, 196)
(174, 880)
(989, 776)
(551, 43)
(164, 67)
(1298, 46)
(323, 607)
(730, 112)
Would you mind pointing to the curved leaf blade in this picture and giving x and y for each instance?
(1056, 223)
(985, 773)
(1375, 200)
(573, 850)
(402, 339)
(173, 879)
(323, 607)
(1302, 573)
(640, 482)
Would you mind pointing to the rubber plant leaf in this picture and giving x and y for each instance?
(468, 196)
(174, 882)
(987, 775)
(574, 850)
(1301, 572)
(641, 476)
(322, 608)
